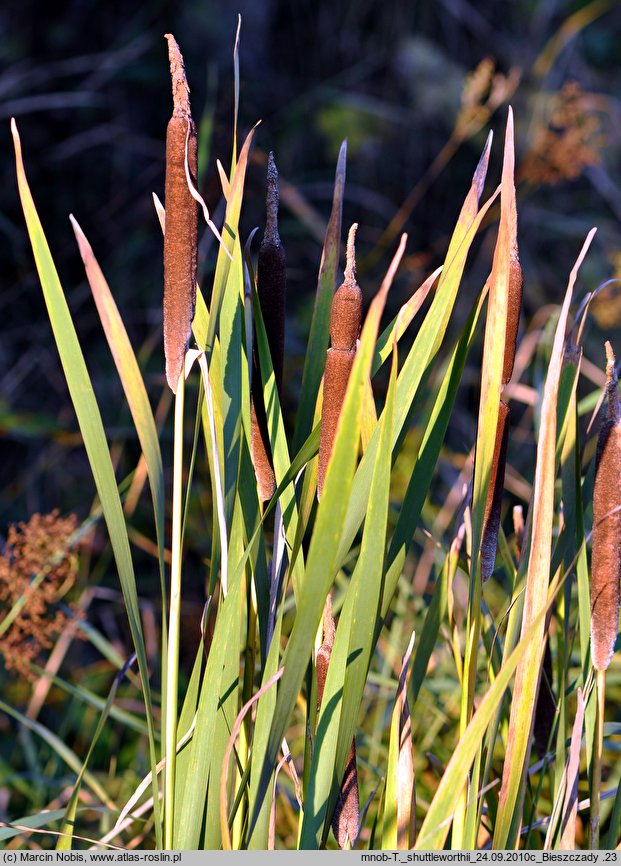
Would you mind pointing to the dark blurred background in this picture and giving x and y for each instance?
(414, 86)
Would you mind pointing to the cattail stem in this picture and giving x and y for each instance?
(172, 659)
(596, 775)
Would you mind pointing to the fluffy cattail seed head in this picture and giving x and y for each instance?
(606, 551)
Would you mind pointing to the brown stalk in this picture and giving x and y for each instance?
(180, 236)
(606, 552)
(345, 319)
(272, 292)
(491, 521)
(346, 817)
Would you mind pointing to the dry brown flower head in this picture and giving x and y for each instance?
(39, 548)
(568, 140)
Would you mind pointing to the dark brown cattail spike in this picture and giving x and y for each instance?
(180, 236)
(514, 306)
(272, 277)
(606, 552)
(345, 320)
(491, 522)
(272, 292)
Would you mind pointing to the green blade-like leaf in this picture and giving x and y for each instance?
(425, 347)
(353, 645)
(132, 381)
(63, 752)
(91, 427)
(527, 679)
(65, 841)
(321, 563)
(315, 358)
(438, 819)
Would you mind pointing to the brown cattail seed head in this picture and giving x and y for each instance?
(272, 292)
(339, 363)
(491, 523)
(606, 551)
(514, 306)
(346, 313)
(345, 318)
(346, 817)
(180, 236)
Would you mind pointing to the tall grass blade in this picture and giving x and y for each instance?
(68, 826)
(528, 674)
(63, 751)
(320, 325)
(436, 825)
(322, 563)
(353, 646)
(425, 345)
(91, 427)
(399, 829)
(132, 382)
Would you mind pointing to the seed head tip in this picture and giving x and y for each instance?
(612, 384)
(180, 88)
(350, 266)
(272, 199)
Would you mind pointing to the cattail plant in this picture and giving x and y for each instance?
(605, 567)
(493, 503)
(272, 292)
(180, 236)
(345, 319)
